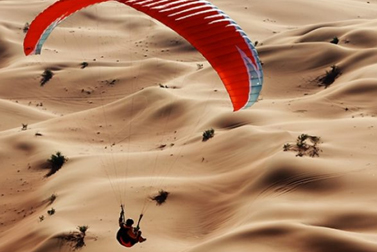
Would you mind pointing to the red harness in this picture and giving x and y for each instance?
(126, 244)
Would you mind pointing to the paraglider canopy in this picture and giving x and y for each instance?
(213, 33)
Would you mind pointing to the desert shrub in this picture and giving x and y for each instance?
(56, 162)
(52, 198)
(83, 229)
(335, 40)
(110, 82)
(84, 64)
(26, 27)
(75, 239)
(161, 197)
(48, 201)
(330, 76)
(300, 142)
(162, 146)
(46, 76)
(51, 211)
(306, 145)
(208, 134)
(24, 126)
(287, 146)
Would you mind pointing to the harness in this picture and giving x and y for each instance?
(126, 244)
(124, 239)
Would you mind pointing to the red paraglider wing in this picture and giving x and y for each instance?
(214, 34)
(45, 22)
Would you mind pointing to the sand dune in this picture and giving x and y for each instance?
(131, 123)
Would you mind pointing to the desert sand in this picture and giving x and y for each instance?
(126, 137)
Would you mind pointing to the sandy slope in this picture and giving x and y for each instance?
(236, 192)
